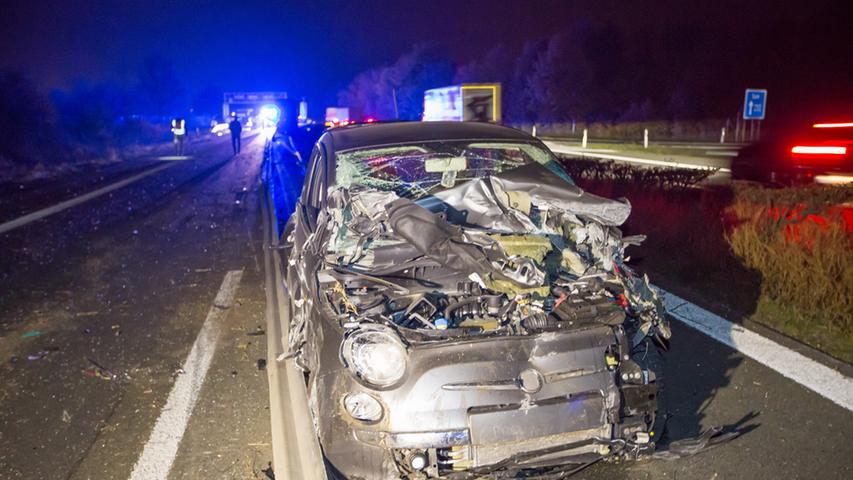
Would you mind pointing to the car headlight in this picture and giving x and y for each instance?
(375, 355)
(362, 406)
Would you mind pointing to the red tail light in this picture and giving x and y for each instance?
(819, 150)
(833, 125)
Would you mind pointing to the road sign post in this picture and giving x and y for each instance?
(754, 104)
(754, 108)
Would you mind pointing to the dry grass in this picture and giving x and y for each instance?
(797, 239)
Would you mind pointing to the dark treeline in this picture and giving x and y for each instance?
(96, 120)
(598, 72)
(584, 75)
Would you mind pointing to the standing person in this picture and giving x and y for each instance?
(179, 130)
(235, 128)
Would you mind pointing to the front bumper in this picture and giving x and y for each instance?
(471, 404)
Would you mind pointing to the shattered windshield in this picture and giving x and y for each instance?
(418, 170)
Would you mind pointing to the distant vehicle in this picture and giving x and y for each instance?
(470, 102)
(337, 116)
(822, 153)
(220, 129)
(437, 341)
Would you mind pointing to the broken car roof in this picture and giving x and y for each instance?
(378, 134)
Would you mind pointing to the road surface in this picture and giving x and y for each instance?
(144, 311)
(126, 281)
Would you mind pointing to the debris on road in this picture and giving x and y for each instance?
(243, 350)
(268, 472)
(94, 372)
(99, 371)
(258, 332)
(262, 364)
(691, 446)
(43, 353)
(31, 334)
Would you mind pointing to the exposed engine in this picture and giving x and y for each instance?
(469, 308)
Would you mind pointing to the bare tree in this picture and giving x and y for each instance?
(397, 89)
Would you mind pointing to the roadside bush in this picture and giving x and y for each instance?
(800, 240)
(27, 133)
(135, 131)
(600, 174)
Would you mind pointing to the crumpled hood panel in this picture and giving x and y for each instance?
(488, 201)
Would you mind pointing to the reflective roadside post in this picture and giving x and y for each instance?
(645, 138)
(723, 135)
(583, 141)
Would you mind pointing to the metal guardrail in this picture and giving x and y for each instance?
(296, 449)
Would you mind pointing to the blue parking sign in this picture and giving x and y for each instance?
(754, 104)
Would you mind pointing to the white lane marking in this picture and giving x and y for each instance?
(159, 453)
(558, 148)
(813, 375)
(39, 214)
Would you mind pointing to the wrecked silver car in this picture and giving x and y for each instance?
(462, 309)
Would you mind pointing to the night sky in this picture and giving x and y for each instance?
(803, 50)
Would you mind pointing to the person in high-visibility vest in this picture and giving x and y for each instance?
(179, 130)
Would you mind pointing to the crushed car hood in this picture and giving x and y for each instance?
(527, 235)
(503, 201)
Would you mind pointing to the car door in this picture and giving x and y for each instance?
(304, 254)
(303, 220)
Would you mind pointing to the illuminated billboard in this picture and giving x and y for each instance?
(473, 102)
